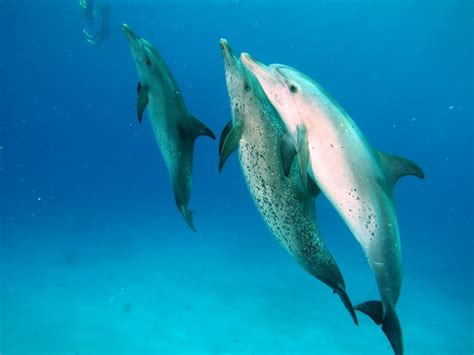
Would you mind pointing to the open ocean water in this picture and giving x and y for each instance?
(95, 259)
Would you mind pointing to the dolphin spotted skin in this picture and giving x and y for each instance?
(286, 205)
(358, 180)
(175, 129)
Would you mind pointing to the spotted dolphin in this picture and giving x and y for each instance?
(286, 205)
(358, 180)
(175, 129)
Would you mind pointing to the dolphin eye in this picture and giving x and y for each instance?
(293, 88)
(148, 61)
(246, 86)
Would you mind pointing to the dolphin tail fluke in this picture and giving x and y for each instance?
(347, 303)
(389, 321)
(373, 309)
(393, 330)
(188, 216)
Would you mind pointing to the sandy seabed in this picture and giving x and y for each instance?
(79, 295)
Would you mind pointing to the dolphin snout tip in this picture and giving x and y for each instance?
(226, 51)
(128, 32)
(223, 42)
(245, 56)
(247, 59)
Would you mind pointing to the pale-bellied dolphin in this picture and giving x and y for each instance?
(175, 129)
(358, 180)
(286, 205)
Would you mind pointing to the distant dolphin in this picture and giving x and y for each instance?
(286, 206)
(358, 180)
(174, 127)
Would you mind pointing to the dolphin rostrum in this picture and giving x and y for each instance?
(175, 129)
(286, 205)
(358, 180)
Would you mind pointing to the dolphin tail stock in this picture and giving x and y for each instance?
(389, 321)
(341, 292)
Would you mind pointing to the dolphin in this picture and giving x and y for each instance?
(357, 179)
(175, 129)
(286, 205)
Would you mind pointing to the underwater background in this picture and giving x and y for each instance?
(96, 259)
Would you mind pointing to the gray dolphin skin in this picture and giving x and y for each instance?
(175, 129)
(286, 205)
(358, 180)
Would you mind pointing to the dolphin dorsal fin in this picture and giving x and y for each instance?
(194, 129)
(230, 139)
(398, 167)
(197, 129)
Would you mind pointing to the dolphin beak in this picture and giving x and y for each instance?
(127, 31)
(227, 52)
(224, 44)
(225, 48)
(260, 70)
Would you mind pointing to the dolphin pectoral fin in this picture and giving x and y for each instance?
(142, 101)
(287, 152)
(398, 167)
(230, 142)
(313, 187)
(347, 303)
(389, 321)
(224, 134)
(200, 129)
(303, 152)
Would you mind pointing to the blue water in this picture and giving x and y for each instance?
(96, 259)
